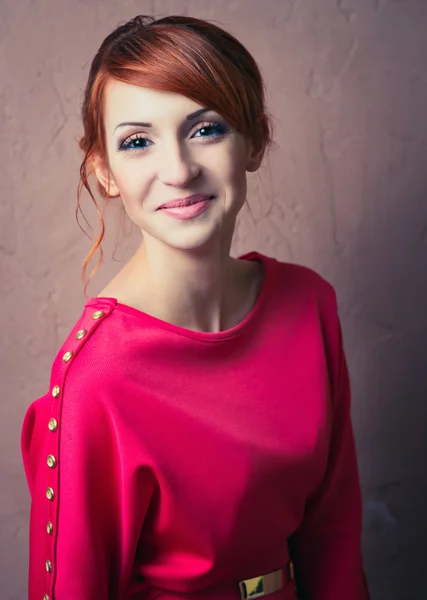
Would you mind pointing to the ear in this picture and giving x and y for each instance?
(105, 177)
(255, 156)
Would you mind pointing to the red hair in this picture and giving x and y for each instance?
(175, 54)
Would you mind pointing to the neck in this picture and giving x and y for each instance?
(196, 290)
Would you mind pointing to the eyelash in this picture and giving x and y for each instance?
(126, 144)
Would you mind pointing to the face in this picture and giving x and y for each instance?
(163, 146)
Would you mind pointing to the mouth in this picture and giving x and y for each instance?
(195, 199)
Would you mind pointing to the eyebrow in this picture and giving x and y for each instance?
(189, 117)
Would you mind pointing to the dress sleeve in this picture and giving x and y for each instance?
(88, 499)
(326, 548)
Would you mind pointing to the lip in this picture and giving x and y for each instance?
(179, 202)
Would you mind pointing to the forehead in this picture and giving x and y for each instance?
(125, 102)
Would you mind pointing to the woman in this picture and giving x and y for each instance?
(195, 440)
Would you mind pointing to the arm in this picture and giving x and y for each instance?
(326, 547)
(89, 530)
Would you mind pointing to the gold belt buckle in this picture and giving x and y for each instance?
(256, 587)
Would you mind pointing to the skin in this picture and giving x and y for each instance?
(182, 272)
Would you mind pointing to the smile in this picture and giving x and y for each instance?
(189, 211)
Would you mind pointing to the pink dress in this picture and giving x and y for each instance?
(168, 463)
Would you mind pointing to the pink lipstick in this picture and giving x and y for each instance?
(187, 208)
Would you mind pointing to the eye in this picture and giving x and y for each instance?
(135, 142)
(210, 130)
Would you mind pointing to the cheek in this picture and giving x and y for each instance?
(236, 176)
(232, 167)
(132, 177)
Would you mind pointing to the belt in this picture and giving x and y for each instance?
(256, 587)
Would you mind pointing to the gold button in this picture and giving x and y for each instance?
(67, 356)
(45, 597)
(51, 461)
(56, 391)
(50, 494)
(80, 334)
(49, 527)
(98, 314)
(48, 566)
(53, 424)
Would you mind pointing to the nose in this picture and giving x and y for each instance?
(177, 167)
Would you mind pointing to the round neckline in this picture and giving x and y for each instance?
(207, 336)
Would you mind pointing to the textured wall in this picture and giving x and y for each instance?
(344, 193)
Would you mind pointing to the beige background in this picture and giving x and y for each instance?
(343, 193)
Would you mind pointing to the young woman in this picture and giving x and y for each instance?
(195, 441)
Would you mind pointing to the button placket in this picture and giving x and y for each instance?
(51, 463)
(52, 459)
(98, 314)
(67, 356)
(53, 424)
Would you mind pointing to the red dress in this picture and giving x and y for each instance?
(169, 463)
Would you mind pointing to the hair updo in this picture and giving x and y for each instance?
(177, 54)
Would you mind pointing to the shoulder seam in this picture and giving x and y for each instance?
(83, 329)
